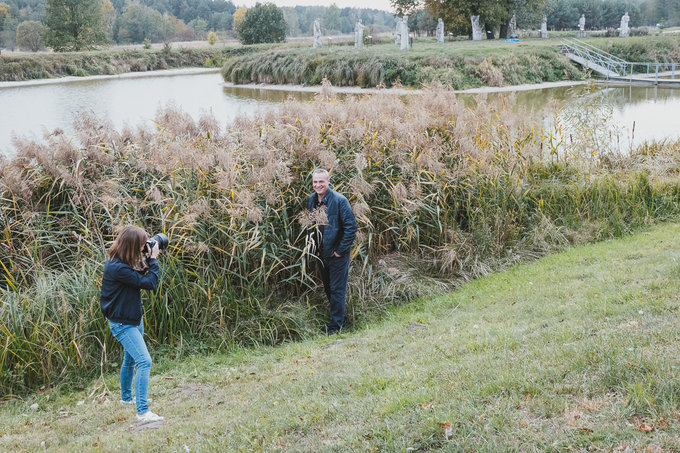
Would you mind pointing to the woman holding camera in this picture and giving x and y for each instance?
(130, 267)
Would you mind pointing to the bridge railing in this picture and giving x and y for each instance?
(619, 66)
(610, 62)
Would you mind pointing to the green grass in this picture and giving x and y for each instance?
(459, 64)
(574, 352)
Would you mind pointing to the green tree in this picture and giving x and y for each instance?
(75, 24)
(456, 13)
(262, 23)
(139, 22)
(331, 18)
(30, 35)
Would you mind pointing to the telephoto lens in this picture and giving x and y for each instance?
(160, 239)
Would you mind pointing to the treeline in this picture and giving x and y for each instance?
(137, 21)
(560, 14)
(564, 14)
(334, 20)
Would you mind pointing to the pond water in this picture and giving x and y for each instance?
(642, 113)
(31, 111)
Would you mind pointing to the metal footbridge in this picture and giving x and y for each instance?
(615, 69)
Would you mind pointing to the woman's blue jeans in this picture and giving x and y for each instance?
(135, 354)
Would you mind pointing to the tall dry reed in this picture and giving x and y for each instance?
(451, 191)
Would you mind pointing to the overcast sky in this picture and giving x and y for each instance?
(373, 4)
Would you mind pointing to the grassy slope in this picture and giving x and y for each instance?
(578, 349)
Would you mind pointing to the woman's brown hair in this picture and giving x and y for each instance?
(128, 245)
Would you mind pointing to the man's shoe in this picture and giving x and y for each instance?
(149, 417)
(331, 330)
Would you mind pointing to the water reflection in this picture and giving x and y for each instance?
(31, 111)
(266, 95)
(644, 113)
(637, 114)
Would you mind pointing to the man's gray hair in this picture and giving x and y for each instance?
(321, 171)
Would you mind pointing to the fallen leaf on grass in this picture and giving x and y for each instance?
(448, 429)
(645, 427)
(588, 430)
(663, 423)
(428, 407)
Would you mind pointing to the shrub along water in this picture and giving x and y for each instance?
(459, 67)
(106, 62)
(452, 191)
(384, 64)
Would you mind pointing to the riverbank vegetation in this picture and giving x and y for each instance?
(49, 65)
(574, 352)
(459, 65)
(442, 193)
(658, 49)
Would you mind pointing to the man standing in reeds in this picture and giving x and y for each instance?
(333, 233)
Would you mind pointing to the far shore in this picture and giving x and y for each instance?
(125, 75)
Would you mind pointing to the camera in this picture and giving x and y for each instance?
(160, 239)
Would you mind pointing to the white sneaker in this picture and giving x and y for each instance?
(133, 401)
(149, 417)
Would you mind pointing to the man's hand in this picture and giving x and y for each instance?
(155, 251)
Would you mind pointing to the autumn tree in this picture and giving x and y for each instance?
(76, 24)
(4, 13)
(239, 14)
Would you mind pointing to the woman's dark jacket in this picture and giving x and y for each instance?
(120, 299)
(341, 229)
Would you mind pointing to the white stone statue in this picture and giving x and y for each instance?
(404, 33)
(512, 27)
(398, 38)
(440, 30)
(359, 34)
(544, 27)
(582, 26)
(625, 30)
(317, 33)
(476, 28)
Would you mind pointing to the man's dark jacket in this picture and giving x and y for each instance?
(120, 298)
(341, 229)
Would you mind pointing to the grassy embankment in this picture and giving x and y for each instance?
(578, 351)
(442, 193)
(459, 64)
(106, 62)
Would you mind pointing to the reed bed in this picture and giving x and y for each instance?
(459, 65)
(442, 192)
(107, 62)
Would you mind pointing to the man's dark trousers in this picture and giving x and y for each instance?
(334, 274)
